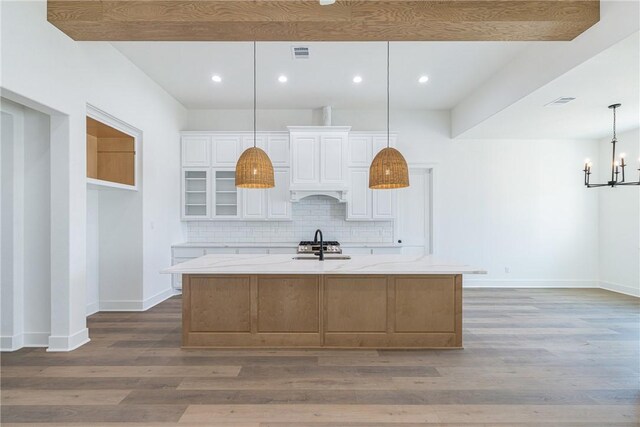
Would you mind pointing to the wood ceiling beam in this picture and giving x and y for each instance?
(306, 20)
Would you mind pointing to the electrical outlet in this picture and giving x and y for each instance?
(507, 270)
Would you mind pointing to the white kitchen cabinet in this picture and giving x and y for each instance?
(380, 142)
(333, 159)
(226, 149)
(360, 150)
(384, 203)
(365, 204)
(359, 198)
(319, 156)
(363, 147)
(247, 142)
(196, 151)
(220, 251)
(278, 199)
(226, 200)
(391, 250)
(196, 197)
(278, 149)
(305, 159)
(254, 203)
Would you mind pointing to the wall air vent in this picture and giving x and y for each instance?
(560, 101)
(300, 52)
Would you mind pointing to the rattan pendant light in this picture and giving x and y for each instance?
(254, 168)
(389, 168)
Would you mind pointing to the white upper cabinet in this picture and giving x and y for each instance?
(380, 142)
(278, 149)
(226, 149)
(247, 142)
(366, 204)
(272, 203)
(333, 162)
(196, 151)
(196, 194)
(359, 205)
(360, 150)
(305, 158)
(254, 203)
(384, 204)
(319, 156)
(363, 146)
(278, 199)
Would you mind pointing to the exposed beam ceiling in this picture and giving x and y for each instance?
(540, 64)
(307, 20)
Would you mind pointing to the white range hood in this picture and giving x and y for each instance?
(339, 194)
(319, 161)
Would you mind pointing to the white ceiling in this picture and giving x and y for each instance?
(612, 76)
(184, 69)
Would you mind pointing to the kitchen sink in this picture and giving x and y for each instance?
(326, 257)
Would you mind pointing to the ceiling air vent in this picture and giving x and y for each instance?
(560, 101)
(300, 52)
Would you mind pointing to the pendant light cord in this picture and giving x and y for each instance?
(388, 129)
(255, 132)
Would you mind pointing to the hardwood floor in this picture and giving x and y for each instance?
(532, 357)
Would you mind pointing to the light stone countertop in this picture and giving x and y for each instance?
(285, 264)
(276, 245)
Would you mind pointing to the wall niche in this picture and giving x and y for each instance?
(110, 154)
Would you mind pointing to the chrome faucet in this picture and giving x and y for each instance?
(315, 240)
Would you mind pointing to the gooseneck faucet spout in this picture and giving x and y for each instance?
(315, 240)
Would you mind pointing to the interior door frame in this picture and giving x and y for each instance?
(430, 210)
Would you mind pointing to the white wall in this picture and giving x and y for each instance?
(37, 228)
(60, 76)
(499, 204)
(26, 228)
(93, 251)
(121, 251)
(619, 218)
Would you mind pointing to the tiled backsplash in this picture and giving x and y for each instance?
(308, 215)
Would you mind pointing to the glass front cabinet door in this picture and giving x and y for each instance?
(196, 197)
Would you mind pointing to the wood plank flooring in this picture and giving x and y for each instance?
(532, 357)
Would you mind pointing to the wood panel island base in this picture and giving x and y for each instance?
(296, 303)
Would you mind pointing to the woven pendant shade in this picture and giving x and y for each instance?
(388, 170)
(254, 169)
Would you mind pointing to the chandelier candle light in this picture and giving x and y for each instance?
(617, 167)
(254, 168)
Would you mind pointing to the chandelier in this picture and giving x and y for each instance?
(617, 167)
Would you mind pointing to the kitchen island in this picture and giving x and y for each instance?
(369, 301)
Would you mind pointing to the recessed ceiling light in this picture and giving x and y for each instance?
(283, 79)
(423, 79)
(216, 78)
(357, 79)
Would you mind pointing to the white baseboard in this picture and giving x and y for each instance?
(27, 339)
(68, 342)
(36, 339)
(623, 289)
(11, 342)
(504, 283)
(137, 305)
(158, 298)
(92, 308)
